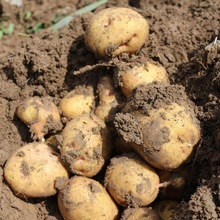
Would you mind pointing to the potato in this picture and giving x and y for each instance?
(113, 31)
(130, 77)
(41, 115)
(86, 145)
(174, 183)
(131, 181)
(34, 170)
(85, 198)
(160, 124)
(108, 99)
(77, 102)
(166, 209)
(143, 213)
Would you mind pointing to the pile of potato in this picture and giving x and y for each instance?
(113, 159)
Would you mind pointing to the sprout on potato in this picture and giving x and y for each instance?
(41, 115)
(159, 123)
(130, 77)
(86, 145)
(34, 170)
(131, 181)
(113, 31)
(77, 102)
(85, 198)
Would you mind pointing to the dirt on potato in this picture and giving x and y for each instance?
(43, 65)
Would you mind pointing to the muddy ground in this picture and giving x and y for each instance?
(43, 65)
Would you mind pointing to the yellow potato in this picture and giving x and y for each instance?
(108, 99)
(130, 78)
(143, 213)
(159, 123)
(41, 115)
(131, 181)
(86, 145)
(86, 199)
(34, 170)
(166, 209)
(77, 102)
(113, 31)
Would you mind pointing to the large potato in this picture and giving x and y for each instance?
(86, 199)
(34, 170)
(113, 31)
(131, 181)
(130, 77)
(86, 145)
(159, 122)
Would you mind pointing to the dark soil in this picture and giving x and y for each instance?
(43, 65)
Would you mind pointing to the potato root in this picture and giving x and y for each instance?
(85, 198)
(34, 170)
(131, 181)
(130, 77)
(86, 145)
(160, 124)
(41, 115)
(113, 31)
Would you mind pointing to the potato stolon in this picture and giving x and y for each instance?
(86, 199)
(131, 181)
(34, 170)
(113, 31)
(86, 145)
(159, 122)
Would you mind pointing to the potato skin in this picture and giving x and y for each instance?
(129, 26)
(108, 99)
(85, 198)
(76, 103)
(86, 145)
(33, 171)
(131, 181)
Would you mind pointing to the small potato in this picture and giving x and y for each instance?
(113, 31)
(130, 77)
(131, 181)
(41, 115)
(34, 170)
(86, 145)
(159, 123)
(143, 213)
(166, 209)
(86, 199)
(108, 99)
(77, 102)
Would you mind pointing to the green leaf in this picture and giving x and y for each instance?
(27, 15)
(9, 29)
(37, 27)
(1, 34)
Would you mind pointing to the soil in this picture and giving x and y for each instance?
(43, 64)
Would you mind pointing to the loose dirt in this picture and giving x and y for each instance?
(43, 65)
